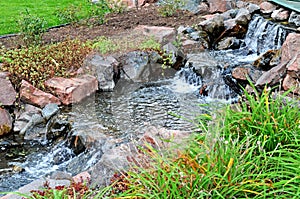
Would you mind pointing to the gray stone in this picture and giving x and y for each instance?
(24, 116)
(273, 76)
(49, 110)
(228, 43)
(105, 69)
(295, 18)
(213, 26)
(8, 94)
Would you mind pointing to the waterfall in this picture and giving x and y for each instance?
(264, 35)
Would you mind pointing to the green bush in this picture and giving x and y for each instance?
(31, 28)
(168, 8)
(69, 14)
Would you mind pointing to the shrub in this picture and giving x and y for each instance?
(31, 28)
(69, 14)
(37, 64)
(168, 8)
(98, 11)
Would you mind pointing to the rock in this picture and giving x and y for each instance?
(72, 90)
(252, 8)
(5, 122)
(163, 34)
(273, 76)
(267, 7)
(291, 83)
(202, 9)
(175, 56)
(106, 69)
(214, 26)
(245, 73)
(295, 18)
(191, 46)
(8, 93)
(267, 60)
(230, 14)
(49, 110)
(243, 17)
(24, 116)
(83, 177)
(228, 43)
(118, 159)
(34, 120)
(290, 47)
(280, 14)
(220, 5)
(294, 67)
(57, 128)
(34, 96)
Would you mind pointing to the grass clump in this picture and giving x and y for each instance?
(248, 152)
(36, 64)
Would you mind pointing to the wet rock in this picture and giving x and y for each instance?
(106, 69)
(295, 18)
(8, 93)
(49, 110)
(220, 5)
(230, 14)
(185, 30)
(273, 76)
(72, 90)
(176, 56)
(280, 14)
(24, 116)
(243, 16)
(191, 46)
(267, 7)
(34, 96)
(57, 128)
(33, 130)
(291, 83)
(161, 33)
(228, 43)
(5, 122)
(267, 60)
(253, 8)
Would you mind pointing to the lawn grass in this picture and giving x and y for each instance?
(11, 9)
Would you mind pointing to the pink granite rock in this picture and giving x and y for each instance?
(8, 93)
(267, 7)
(72, 90)
(291, 83)
(35, 96)
(220, 5)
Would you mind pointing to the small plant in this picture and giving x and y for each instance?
(98, 11)
(117, 6)
(69, 14)
(31, 28)
(36, 64)
(169, 7)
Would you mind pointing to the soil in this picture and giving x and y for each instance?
(115, 24)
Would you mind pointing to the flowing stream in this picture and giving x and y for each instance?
(131, 107)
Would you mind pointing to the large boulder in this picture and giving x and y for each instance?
(24, 116)
(72, 90)
(291, 83)
(213, 26)
(8, 93)
(220, 5)
(5, 122)
(106, 69)
(35, 96)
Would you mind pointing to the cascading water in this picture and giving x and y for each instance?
(121, 114)
(264, 35)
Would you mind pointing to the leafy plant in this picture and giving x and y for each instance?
(37, 64)
(31, 28)
(69, 14)
(168, 8)
(98, 11)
